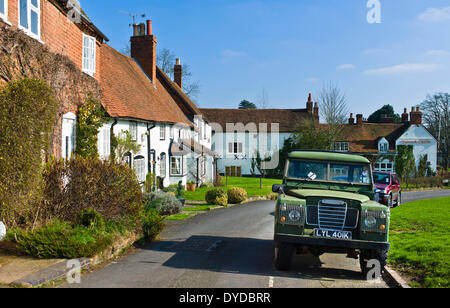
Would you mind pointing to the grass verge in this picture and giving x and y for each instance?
(420, 242)
(251, 186)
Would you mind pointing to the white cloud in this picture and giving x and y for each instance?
(435, 15)
(437, 53)
(312, 79)
(228, 53)
(403, 69)
(346, 67)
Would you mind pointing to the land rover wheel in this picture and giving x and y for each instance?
(282, 256)
(380, 255)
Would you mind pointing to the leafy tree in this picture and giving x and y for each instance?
(258, 163)
(245, 104)
(405, 163)
(126, 144)
(386, 110)
(436, 116)
(423, 166)
(91, 116)
(310, 137)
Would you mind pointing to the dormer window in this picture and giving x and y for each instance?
(383, 146)
(341, 146)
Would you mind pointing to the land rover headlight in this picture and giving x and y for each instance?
(294, 215)
(370, 221)
(284, 207)
(383, 215)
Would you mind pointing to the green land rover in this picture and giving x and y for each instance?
(326, 205)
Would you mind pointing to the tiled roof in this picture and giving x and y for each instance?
(127, 92)
(364, 138)
(287, 118)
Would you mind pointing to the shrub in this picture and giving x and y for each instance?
(152, 225)
(165, 204)
(236, 195)
(217, 196)
(90, 218)
(62, 240)
(109, 188)
(172, 188)
(150, 183)
(28, 111)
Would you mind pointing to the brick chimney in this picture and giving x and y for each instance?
(309, 104)
(178, 74)
(143, 50)
(359, 119)
(351, 120)
(416, 116)
(405, 116)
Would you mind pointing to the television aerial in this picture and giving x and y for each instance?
(133, 15)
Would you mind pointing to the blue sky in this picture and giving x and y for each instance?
(290, 48)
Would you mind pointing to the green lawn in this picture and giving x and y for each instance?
(251, 185)
(420, 239)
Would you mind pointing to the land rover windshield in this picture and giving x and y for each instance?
(340, 172)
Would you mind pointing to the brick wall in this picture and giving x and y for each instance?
(58, 32)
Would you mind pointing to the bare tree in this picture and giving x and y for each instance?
(436, 115)
(166, 62)
(334, 109)
(333, 105)
(263, 99)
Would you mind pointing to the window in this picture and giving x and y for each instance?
(89, 45)
(342, 147)
(176, 165)
(384, 147)
(139, 168)
(133, 131)
(172, 132)
(162, 166)
(4, 9)
(29, 17)
(104, 142)
(162, 132)
(202, 166)
(235, 148)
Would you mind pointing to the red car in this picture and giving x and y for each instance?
(387, 188)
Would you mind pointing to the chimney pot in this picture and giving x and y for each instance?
(136, 30)
(149, 27)
(178, 73)
(309, 104)
(359, 119)
(351, 120)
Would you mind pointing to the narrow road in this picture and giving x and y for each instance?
(228, 248)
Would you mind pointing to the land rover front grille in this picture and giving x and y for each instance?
(332, 214)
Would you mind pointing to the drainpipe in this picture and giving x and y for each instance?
(111, 135)
(151, 154)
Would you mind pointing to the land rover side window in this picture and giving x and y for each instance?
(307, 170)
(349, 173)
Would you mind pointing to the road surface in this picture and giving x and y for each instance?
(228, 248)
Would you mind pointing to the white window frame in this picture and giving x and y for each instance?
(341, 146)
(30, 8)
(235, 151)
(139, 168)
(133, 127)
(104, 142)
(92, 63)
(4, 15)
(384, 147)
(68, 145)
(173, 160)
(162, 132)
(163, 165)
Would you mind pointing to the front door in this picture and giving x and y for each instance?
(68, 135)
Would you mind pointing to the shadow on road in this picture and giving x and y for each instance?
(244, 256)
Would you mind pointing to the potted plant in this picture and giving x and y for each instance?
(191, 185)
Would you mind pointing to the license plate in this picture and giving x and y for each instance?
(341, 235)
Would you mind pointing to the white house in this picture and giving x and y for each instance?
(174, 137)
(241, 134)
